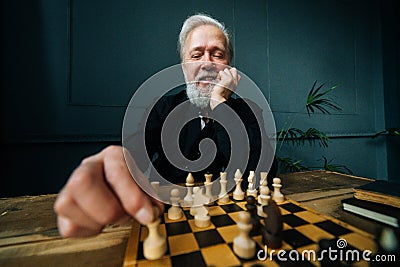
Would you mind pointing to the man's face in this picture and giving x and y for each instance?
(204, 56)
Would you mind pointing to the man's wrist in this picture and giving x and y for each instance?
(215, 101)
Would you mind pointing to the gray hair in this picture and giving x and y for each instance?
(195, 21)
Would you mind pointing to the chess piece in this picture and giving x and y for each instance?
(263, 200)
(243, 245)
(199, 211)
(201, 218)
(251, 207)
(263, 184)
(188, 199)
(155, 245)
(251, 191)
(156, 186)
(273, 225)
(175, 212)
(199, 200)
(223, 196)
(277, 196)
(238, 194)
(208, 185)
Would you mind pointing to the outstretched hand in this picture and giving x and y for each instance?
(99, 192)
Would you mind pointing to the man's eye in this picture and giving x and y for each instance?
(196, 56)
(219, 55)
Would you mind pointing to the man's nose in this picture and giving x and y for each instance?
(207, 62)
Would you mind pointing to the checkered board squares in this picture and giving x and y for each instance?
(191, 246)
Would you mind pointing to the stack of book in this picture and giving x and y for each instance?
(378, 200)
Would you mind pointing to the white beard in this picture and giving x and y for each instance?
(200, 97)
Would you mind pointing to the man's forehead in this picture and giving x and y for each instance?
(206, 35)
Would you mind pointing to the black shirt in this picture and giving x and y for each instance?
(183, 129)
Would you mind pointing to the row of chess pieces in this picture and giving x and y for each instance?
(263, 193)
(155, 245)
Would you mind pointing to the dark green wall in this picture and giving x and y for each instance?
(391, 81)
(70, 68)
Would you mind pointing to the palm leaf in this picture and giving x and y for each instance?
(335, 167)
(293, 135)
(290, 165)
(313, 135)
(315, 100)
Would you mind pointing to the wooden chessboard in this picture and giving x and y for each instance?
(189, 245)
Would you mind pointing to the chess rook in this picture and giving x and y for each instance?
(208, 185)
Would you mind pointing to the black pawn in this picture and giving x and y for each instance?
(251, 207)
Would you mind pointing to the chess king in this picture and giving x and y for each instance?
(101, 190)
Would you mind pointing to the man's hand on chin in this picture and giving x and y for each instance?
(228, 82)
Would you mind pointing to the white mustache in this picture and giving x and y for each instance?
(208, 76)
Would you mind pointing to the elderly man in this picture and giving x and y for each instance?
(101, 190)
(206, 53)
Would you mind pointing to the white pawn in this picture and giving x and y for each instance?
(277, 196)
(243, 245)
(250, 189)
(238, 194)
(223, 196)
(263, 200)
(155, 245)
(188, 199)
(175, 212)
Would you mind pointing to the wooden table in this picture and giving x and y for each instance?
(29, 236)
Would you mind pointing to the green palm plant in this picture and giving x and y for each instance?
(317, 100)
(298, 137)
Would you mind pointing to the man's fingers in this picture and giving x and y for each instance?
(89, 190)
(66, 206)
(102, 191)
(69, 228)
(134, 201)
